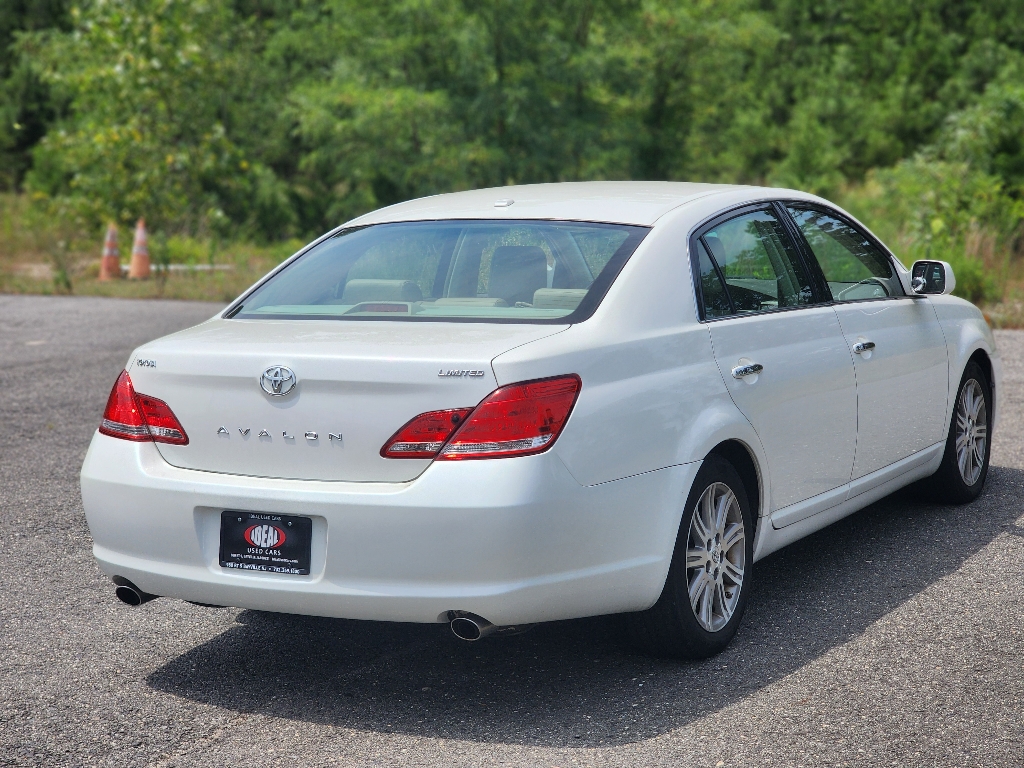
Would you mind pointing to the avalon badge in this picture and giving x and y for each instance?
(278, 380)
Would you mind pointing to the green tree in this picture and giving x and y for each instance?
(26, 107)
(148, 132)
(270, 117)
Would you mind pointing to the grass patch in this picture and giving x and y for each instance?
(47, 255)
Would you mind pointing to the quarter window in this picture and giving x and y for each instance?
(716, 300)
(854, 268)
(761, 268)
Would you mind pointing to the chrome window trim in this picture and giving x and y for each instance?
(809, 256)
(710, 222)
(697, 231)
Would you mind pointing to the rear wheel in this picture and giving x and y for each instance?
(705, 593)
(961, 476)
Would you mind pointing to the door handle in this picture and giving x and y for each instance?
(863, 346)
(751, 369)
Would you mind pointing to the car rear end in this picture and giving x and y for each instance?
(337, 442)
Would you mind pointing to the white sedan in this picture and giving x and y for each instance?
(502, 407)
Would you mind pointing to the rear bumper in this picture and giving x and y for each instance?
(513, 540)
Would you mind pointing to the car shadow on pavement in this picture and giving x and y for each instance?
(575, 683)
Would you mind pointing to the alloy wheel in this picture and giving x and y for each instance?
(971, 431)
(715, 557)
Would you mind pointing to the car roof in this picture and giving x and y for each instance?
(619, 202)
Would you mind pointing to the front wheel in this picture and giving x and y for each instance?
(964, 468)
(705, 593)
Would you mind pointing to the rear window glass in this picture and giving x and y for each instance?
(500, 271)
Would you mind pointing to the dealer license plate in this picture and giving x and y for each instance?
(254, 541)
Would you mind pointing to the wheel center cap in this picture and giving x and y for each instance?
(716, 557)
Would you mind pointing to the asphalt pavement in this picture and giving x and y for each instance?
(895, 637)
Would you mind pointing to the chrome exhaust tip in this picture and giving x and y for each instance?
(129, 594)
(470, 627)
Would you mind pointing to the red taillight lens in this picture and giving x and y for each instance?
(123, 414)
(423, 437)
(516, 420)
(131, 416)
(163, 424)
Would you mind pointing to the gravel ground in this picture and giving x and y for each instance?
(894, 637)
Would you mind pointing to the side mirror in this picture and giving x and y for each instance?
(932, 277)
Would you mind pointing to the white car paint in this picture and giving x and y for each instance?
(341, 390)
(804, 405)
(585, 528)
(908, 365)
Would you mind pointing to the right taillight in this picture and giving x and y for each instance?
(131, 416)
(516, 420)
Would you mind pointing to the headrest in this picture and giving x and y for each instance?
(516, 272)
(716, 248)
(358, 291)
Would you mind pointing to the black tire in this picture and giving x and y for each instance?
(671, 627)
(948, 484)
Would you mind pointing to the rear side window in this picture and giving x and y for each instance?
(854, 267)
(762, 270)
(487, 271)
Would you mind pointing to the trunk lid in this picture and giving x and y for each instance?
(360, 380)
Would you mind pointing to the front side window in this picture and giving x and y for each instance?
(761, 268)
(854, 268)
(499, 271)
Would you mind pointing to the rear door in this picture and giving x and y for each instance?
(898, 349)
(781, 351)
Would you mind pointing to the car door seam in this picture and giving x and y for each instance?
(856, 390)
(766, 501)
(950, 384)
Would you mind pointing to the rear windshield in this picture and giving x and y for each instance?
(481, 271)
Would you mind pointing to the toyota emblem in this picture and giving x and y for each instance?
(278, 380)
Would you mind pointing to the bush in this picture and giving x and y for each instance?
(933, 209)
(973, 280)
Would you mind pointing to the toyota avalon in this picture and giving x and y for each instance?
(502, 407)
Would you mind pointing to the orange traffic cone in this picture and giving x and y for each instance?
(110, 264)
(140, 252)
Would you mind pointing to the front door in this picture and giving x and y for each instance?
(898, 349)
(782, 354)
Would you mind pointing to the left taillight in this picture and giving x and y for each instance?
(133, 416)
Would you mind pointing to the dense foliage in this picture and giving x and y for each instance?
(276, 118)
